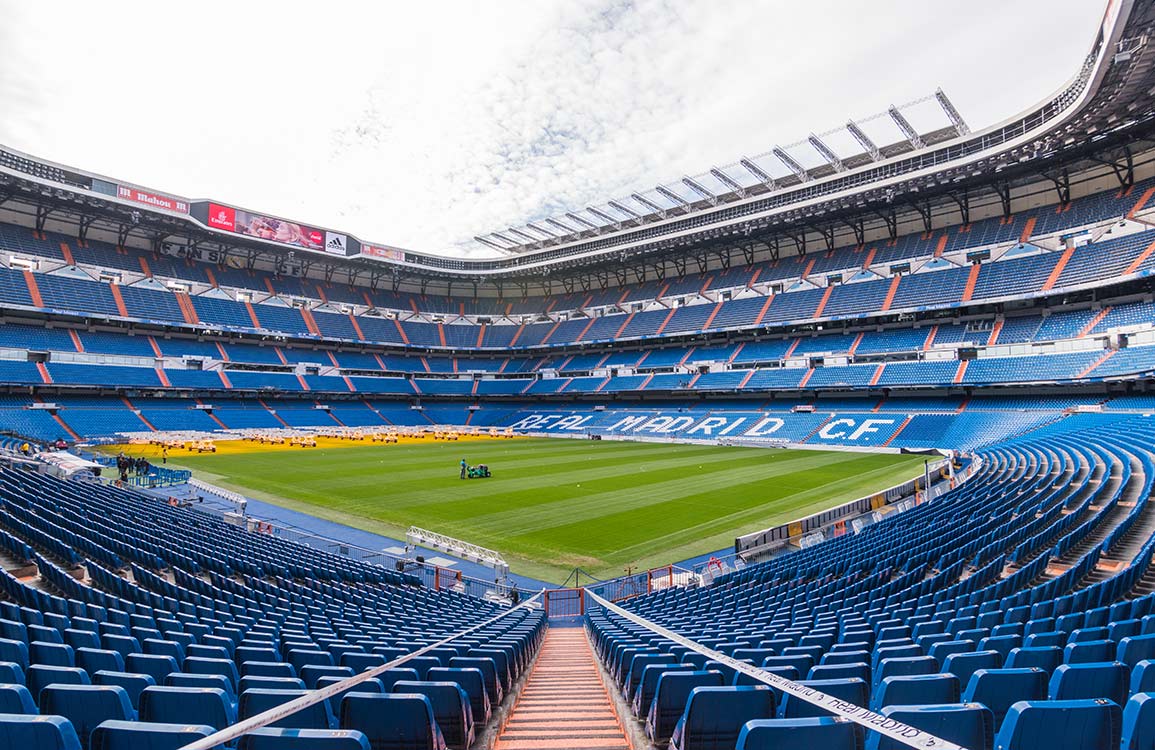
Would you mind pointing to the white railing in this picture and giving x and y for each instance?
(239, 501)
(418, 536)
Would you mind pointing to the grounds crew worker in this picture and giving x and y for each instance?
(464, 468)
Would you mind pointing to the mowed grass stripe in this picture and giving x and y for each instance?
(586, 490)
(637, 503)
(595, 497)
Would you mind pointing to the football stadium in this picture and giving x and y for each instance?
(849, 444)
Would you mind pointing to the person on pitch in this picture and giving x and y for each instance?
(464, 468)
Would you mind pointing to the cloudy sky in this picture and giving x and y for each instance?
(424, 124)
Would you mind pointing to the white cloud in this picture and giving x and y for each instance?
(425, 124)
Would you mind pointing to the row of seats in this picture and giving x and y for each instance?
(846, 264)
(1093, 364)
(984, 617)
(170, 629)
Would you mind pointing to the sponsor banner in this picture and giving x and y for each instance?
(152, 199)
(222, 217)
(336, 244)
(279, 230)
(388, 253)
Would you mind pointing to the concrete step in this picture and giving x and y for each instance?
(564, 703)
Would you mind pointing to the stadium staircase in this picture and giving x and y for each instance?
(564, 703)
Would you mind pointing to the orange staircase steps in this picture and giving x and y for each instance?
(1106, 356)
(1143, 256)
(891, 291)
(1139, 204)
(1057, 271)
(253, 314)
(822, 302)
(33, 289)
(1095, 321)
(996, 329)
(65, 427)
(118, 299)
(901, 427)
(564, 704)
(310, 321)
(1028, 229)
(972, 279)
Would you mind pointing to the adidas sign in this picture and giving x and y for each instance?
(336, 243)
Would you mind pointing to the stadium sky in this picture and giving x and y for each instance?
(423, 124)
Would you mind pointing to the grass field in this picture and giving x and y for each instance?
(552, 505)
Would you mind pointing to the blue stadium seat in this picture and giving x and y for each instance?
(11, 673)
(187, 680)
(968, 725)
(1134, 648)
(1139, 722)
(824, 732)
(1061, 725)
(423, 664)
(1045, 658)
(391, 677)
(267, 669)
(1105, 680)
(904, 666)
(20, 732)
(859, 670)
(14, 652)
(13, 630)
(243, 654)
(133, 683)
(86, 706)
(139, 735)
(39, 677)
(917, 689)
(393, 721)
(270, 683)
(224, 667)
(304, 739)
(670, 696)
(315, 716)
(122, 644)
(472, 682)
(93, 660)
(644, 695)
(852, 690)
(158, 647)
(156, 667)
(172, 705)
(451, 709)
(79, 639)
(310, 673)
(714, 716)
(372, 685)
(15, 699)
(1089, 651)
(51, 654)
(301, 657)
(999, 689)
(963, 666)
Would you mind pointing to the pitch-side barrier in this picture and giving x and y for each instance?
(225, 737)
(896, 730)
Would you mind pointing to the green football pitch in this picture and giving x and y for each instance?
(552, 505)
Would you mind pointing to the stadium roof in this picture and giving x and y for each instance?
(823, 187)
(816, 156)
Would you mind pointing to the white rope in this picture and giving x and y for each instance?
(230, 733)
(896, 730)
